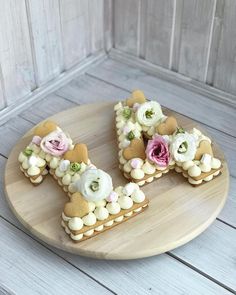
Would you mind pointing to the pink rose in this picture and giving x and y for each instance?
(157, 151)
(55, 143)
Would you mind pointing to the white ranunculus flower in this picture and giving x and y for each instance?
(94, 185)
(183, 147)
(149, 113)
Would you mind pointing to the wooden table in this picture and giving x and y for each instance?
(204, 266)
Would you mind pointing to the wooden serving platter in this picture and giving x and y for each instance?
(177, 212)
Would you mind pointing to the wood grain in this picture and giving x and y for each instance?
(168, 230)
(196, 20)
(44, 23)
(15, 51)
(225, 64)
(168, 94)
(159, 18)
(126, 25)
(74, 21)
(30, 268)
(96, 25)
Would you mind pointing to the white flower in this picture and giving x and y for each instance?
(183, 147)
(149, 113)
(94, 185)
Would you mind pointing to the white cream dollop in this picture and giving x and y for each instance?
(138, 196)
(129, 188)
(125, 202)
(194, 171)
(75, 223)
(64, 165)
(33, 170)
(148, 168)
(113, 208)
(89, 219)
(137, 174)
(54, 163)
(66, 180)
(101, 213)
(215, 163)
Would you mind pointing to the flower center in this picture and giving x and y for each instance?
(157, 151)
(183, 147)
(94, 186)
(130, 135)
(149, 113)
(180, 130)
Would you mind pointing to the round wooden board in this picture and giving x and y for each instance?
(177, 213)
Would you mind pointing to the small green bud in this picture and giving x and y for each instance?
(28, 152)
(75, 167)
(127, 113)
(94, 186)
(130, 135)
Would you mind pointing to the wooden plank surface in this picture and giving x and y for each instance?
(126, 25)
(29, 268)
(86, 89)
(48, 106)
(158, 31)
(44, 23)
(108, 24)
(168, 94)
(15, 52)
(213, 259)
(226, 58)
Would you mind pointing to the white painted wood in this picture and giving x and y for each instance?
(155, 275)
(96, 25)
(219, 250)
(226, 59)
(175, 78)
(217, 26)
(86, 89)
(159, 18)
(46, 107)
(27, 267)
(108, 24)
(168, 94)
(126, 25)
(228, 213)
(15, 52)
(75, 31)
(47, 88)
(196, 20)
(10, 132)
(44, 23)
(2, 98)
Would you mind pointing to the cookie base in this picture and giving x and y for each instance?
(140, 207)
